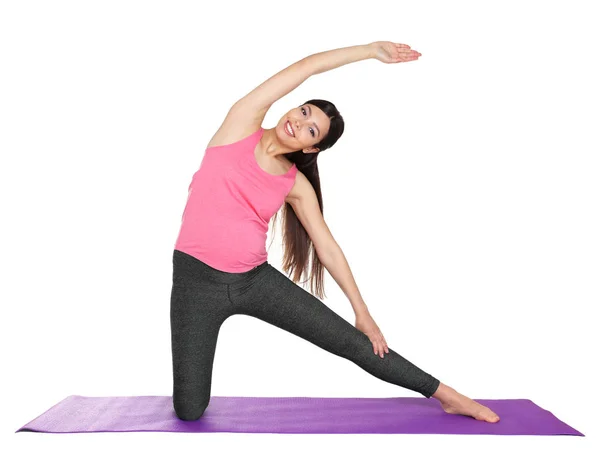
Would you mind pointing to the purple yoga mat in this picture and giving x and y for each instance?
(77, 414)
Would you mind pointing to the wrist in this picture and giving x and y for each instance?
(370, 50)
(361, 310)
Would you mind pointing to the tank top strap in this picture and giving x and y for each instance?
(257, 134)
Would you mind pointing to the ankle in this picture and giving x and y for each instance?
(443, 392)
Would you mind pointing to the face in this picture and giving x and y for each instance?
(309, 126)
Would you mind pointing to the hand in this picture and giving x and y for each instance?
(391, 52)
(366, 324)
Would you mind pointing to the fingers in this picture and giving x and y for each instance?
(408, 54)
(380, 346)
(405, 53)
(385, 346)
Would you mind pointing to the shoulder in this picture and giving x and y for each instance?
(241, 121)
(301, 190)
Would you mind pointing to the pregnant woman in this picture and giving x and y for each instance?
(220, 267)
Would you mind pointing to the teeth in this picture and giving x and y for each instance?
(289, 127)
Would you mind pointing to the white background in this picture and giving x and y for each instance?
(464, 194)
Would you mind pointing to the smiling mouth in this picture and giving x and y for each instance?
(288, 129)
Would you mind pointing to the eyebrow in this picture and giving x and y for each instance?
(314, 123)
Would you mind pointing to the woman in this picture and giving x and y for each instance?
(220, 263)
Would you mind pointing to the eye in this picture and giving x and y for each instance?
(312, 131)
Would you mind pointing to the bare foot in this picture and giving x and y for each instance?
(454, 403)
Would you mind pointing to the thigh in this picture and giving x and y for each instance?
(197, 312)
(276, 299)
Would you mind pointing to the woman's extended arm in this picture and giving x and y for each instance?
(263, 96)
(304, 201)
(331, 59)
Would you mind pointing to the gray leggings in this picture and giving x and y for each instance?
(202, 298)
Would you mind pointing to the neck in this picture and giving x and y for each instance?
(271, 144)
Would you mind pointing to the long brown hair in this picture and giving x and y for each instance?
(296, 241)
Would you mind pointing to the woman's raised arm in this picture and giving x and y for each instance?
(285, 81)
(260, 99)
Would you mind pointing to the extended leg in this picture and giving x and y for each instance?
(279, 301)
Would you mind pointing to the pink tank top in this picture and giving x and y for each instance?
(231, 200)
